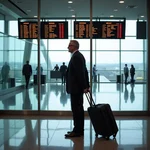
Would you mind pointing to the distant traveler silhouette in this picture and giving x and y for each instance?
(56, 68)
(63, 69)
(126, 73)
(27, 72)
(132, 73)
(94, 73)
(40, 70)
(5, 72)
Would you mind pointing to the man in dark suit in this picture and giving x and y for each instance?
(63, 69)
(77, 83)
(27, 72)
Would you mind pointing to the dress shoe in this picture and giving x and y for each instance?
(72, 131)
(69, 132)
(73, 134)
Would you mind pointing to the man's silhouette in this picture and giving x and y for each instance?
(63, 70)
(27, 72)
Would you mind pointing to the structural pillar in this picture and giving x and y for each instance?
(148, 55)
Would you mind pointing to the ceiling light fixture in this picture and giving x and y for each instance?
(111, 15)
(73, 15)
(35, 16)
(115, 9)
(131, 6)
(28, 10)
(70, 2)
(142, 16)
(121, 2)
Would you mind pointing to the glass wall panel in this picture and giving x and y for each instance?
(56, 44)
(2, 17)
(11, 43)
(2, 26)
(34, 61)
(130, 27)
(85, 44)
(131, 43)
(107, 65)
(135, 58)
(19, 45)
(13, 28)
(1, 58)
(107, 44)
(1, 42)
(57, 57)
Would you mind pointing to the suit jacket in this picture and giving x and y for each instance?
(77, 75)
(63, 69)
(27, 70)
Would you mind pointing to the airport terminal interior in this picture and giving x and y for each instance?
(38, 116)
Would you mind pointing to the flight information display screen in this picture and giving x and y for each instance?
(54, 30)
(49, 30)
(141, 30)
(28, 30)
(100, 30)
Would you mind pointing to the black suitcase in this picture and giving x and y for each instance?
(102, 118)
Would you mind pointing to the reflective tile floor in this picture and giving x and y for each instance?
(48, 134)
(53, 97)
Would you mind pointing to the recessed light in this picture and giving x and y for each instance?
(131, 6)
(28, 10)
(73, 15)
(121, 2)
(111, 15)
(115, 9)
(35, 16)
(71, 10)
(70, 2)
(142, 16)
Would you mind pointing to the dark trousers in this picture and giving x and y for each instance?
(126, 78)
(27, 78)
(63, 78)
(132, 78)
(78, 112)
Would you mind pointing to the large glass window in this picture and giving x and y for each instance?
(107, 65)
(130, 27)
(107, 44)
(131, 43)
(13, 28)
(110, 56)
(58, 44)
(136, 59)
(2, 26)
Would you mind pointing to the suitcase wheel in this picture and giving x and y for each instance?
(107, 137)
(96, 135)
(114, 135)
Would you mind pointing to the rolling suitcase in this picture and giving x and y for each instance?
(102, 118)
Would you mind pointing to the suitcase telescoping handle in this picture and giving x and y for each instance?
(90, 98)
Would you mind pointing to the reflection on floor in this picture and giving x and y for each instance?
(54, 97)
(48, 134)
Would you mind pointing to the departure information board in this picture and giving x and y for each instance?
(28, 30)
(100, 30)
(49, 30)
(54, 30)
(141, 29)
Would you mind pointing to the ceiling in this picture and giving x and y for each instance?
(131, 9)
